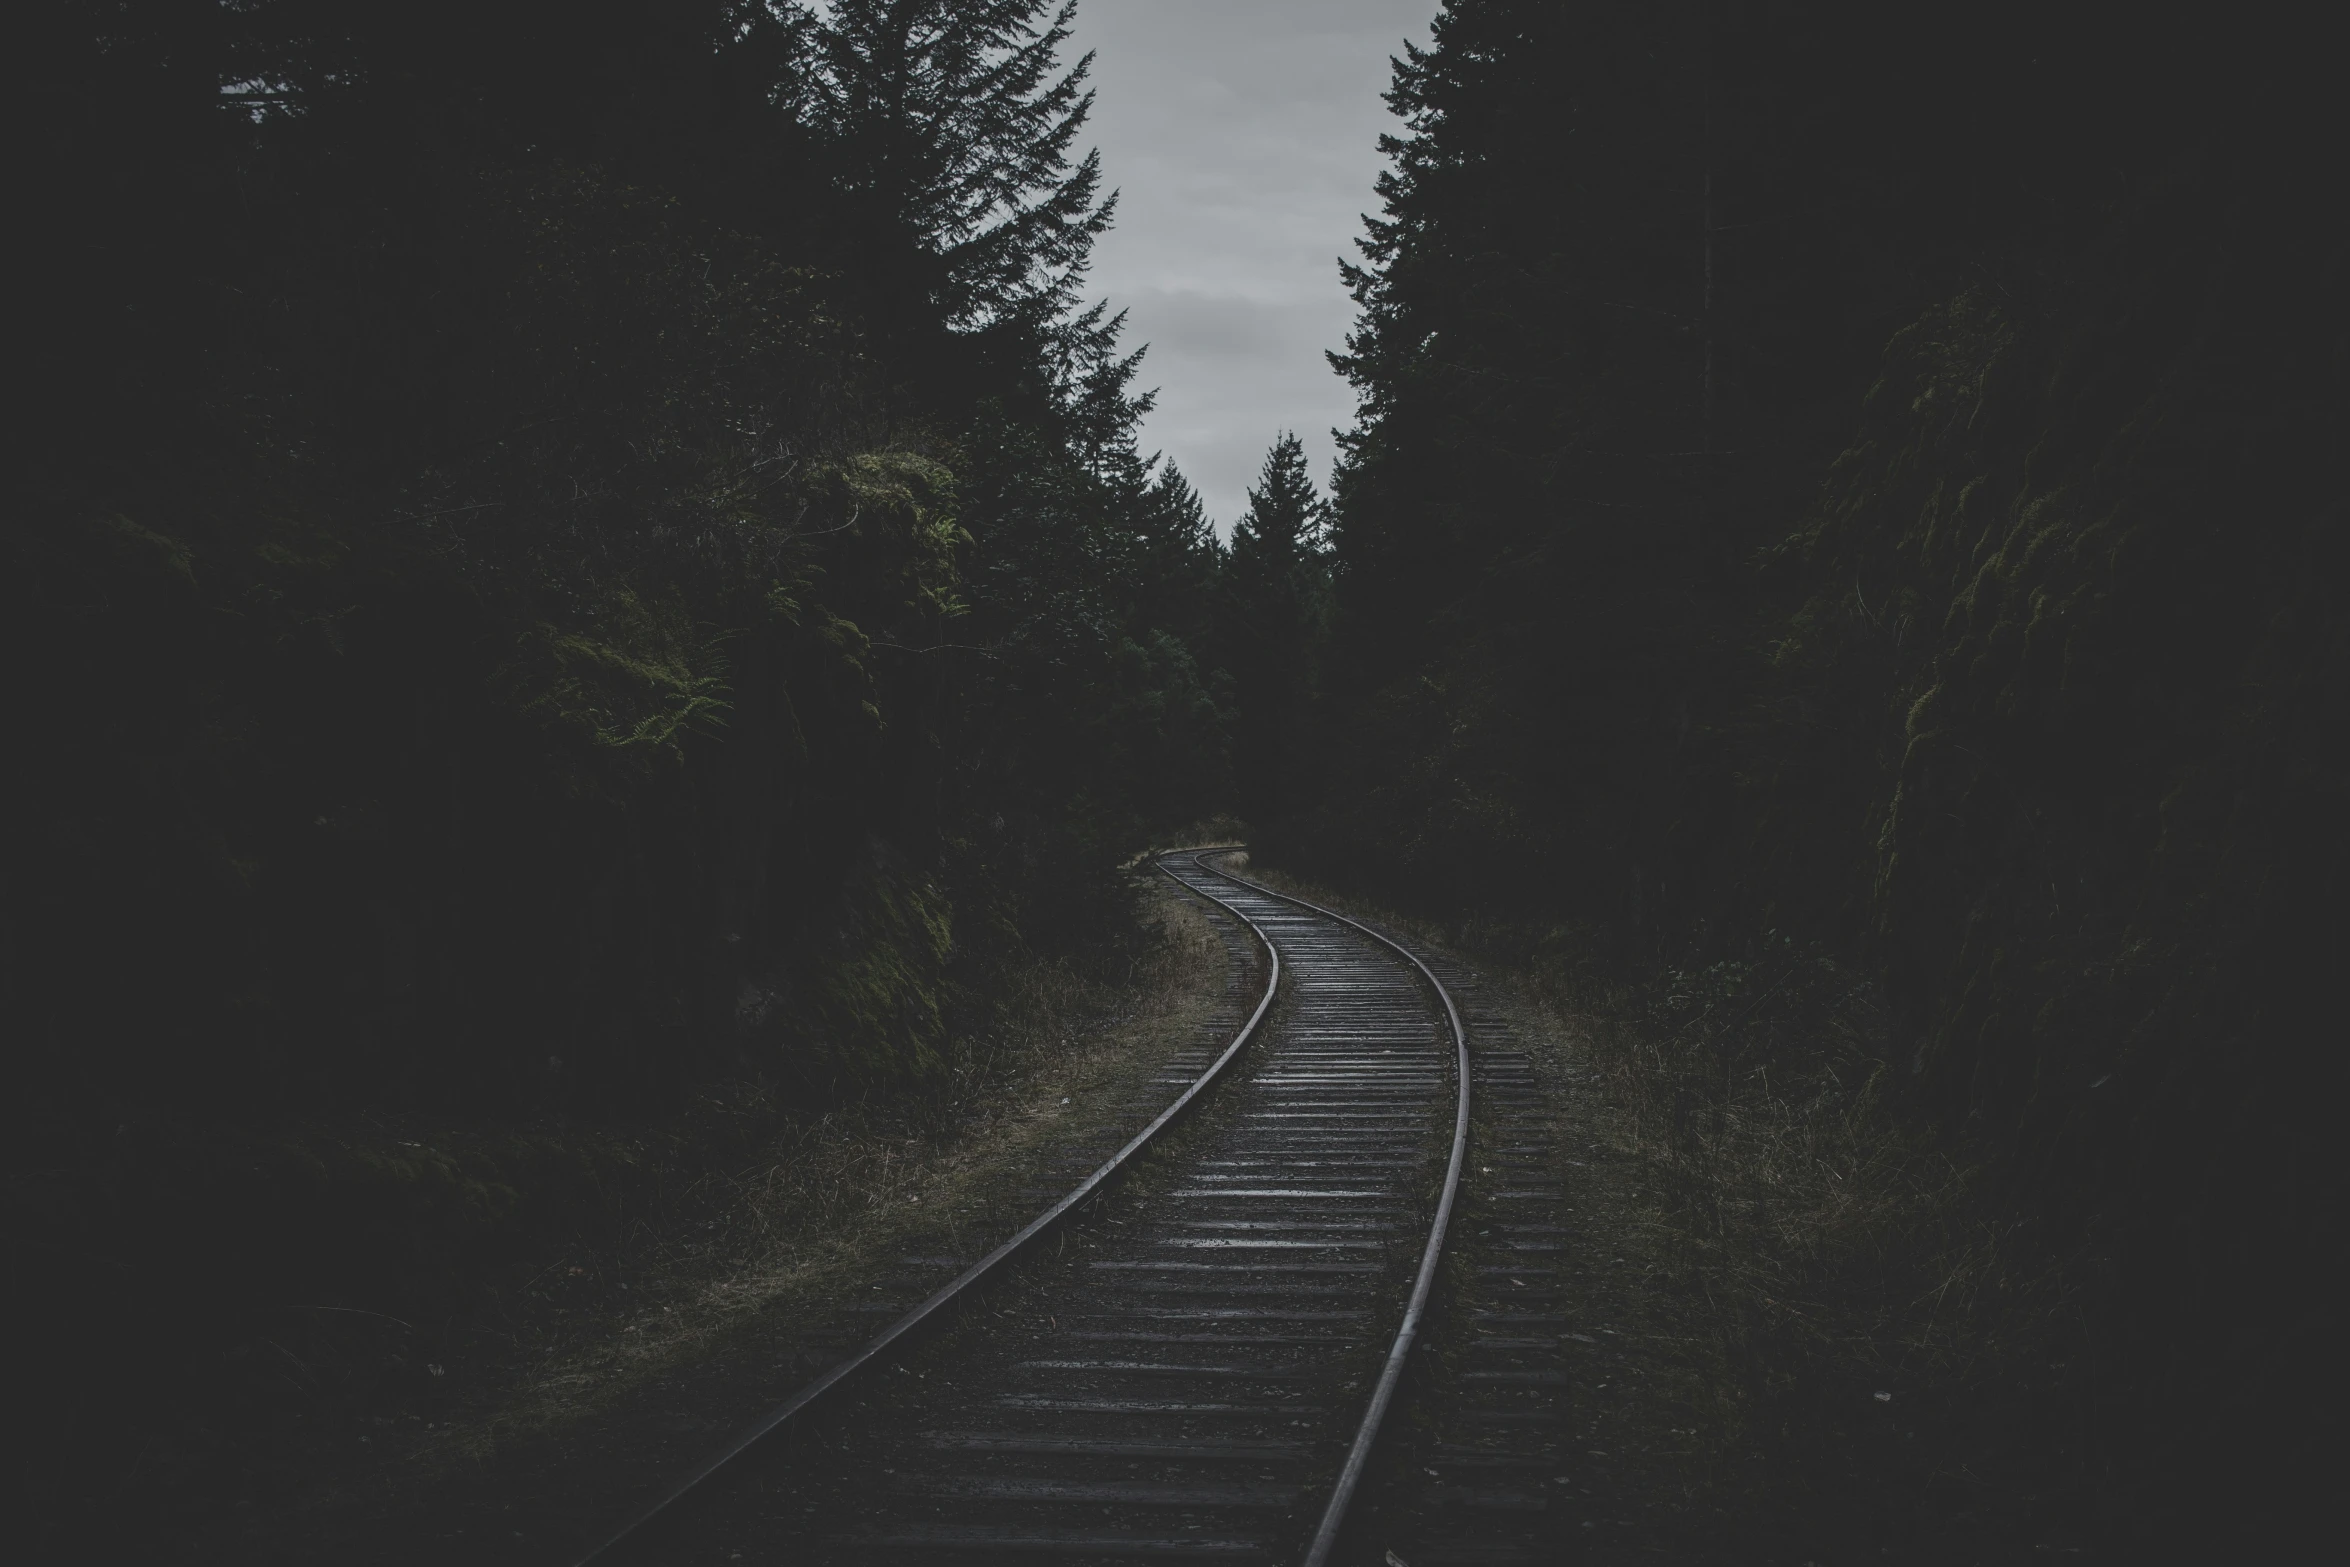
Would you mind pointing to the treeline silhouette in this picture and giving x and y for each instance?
(558, 554)
(1869, 477)
(546, 517)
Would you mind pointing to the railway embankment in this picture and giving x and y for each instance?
(655, 1263)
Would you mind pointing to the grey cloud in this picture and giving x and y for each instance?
(1189, 325)
(1244, 137)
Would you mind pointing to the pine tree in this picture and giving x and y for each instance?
(952, 124)
(1176, 557)
(1275, 593)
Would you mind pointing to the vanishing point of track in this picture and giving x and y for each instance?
(1204, 1373)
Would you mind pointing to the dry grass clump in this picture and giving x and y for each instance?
(1868, 1343)
(1051, 1027)
(1824, 1233)
(1879, 1351)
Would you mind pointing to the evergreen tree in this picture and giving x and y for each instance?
(951, 125)
(1825, 471)
(1176, 558)
(1274, 598)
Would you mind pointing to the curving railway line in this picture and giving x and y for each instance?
(1191, 1355)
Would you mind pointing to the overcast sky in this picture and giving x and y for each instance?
(1244, 135)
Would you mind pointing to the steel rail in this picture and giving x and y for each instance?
(1358, 1457)
(895, 1335)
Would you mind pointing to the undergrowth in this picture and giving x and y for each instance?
(1871, 1344)
(336, 1278)
(1892, 1342)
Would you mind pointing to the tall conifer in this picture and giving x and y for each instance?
(954, 123)
(1276, 587)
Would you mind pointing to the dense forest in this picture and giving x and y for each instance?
(582, 500)
(557, 555)
(561, 557)
(1864, 480)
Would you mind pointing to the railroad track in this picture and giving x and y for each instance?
(1191, 1355)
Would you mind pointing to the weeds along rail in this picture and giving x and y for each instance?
(1198, 1364)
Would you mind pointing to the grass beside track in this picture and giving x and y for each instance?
(630, 1338)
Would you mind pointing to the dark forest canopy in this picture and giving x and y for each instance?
(525, 491)
(1869, 476)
